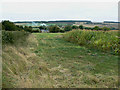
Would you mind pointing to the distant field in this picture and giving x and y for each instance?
(101, 30)
(57, 24)
(107, 25)
(38, 24)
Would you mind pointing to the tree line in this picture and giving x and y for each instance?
(10, 26)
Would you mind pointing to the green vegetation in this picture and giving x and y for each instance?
(54, 29)
(9, 26)
(88, 28)
(71, 65)
(81, 27)
(18, 62)
(59, 24)
(43, 27)
(106, 28)
(105, 41)
(12, 37)
(36, 30)
(68, 28)
(75, 27)
(28, 29)
(96, 28)
(51, 62)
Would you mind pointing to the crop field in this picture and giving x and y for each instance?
(39, 24)
(104, 41)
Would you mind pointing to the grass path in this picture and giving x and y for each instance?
(71, 65)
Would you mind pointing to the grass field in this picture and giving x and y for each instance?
(48, 61)
(76, 66)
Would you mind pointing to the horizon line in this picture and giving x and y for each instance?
(59, 20)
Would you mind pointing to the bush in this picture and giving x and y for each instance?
(75, 27)
(62, 31)
(12, 37)
(105, 28)
(28, 29)
(43, 27)
(36, 31)
(54, 29)
(105, 41)
(96, 28)
(81, 27)
(88, 28)
(9, 26)
(68, 28)
(20, 28)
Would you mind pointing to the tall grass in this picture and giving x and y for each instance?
(105, 41)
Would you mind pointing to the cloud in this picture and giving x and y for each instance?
(95, 11)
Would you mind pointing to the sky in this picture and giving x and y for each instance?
(37, 10)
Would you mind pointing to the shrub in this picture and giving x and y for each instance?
(9, 26)
(62, 31)
(75, 27)
(105, 28)
(81, 27)
(12, 37)
(20, 28)
(68, 28)
(54, 29)
(88, 28)
(43, 27)
(28, 29)
(96, 28)
(105, 41)
(36, 31)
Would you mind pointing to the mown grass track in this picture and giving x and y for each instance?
(72, 65)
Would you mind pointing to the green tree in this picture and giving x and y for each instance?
(43, 27)
(75, 27)
(19, 28)
(96, 28)
(9, 26)
(81, 27)
(105, 28)
(54, 29)
(62, 31)
(68, 28)
(3, 28)
(28, 29)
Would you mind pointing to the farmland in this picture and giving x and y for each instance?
(75, 58)
(76, 66)
(56, 44)
(104, 41)
(47, 60)
(86, 23)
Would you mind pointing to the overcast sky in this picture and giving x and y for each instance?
(94, 10)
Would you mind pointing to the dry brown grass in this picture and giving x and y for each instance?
(22, 68)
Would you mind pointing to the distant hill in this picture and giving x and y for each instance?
(110, 22)
(60, 21)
